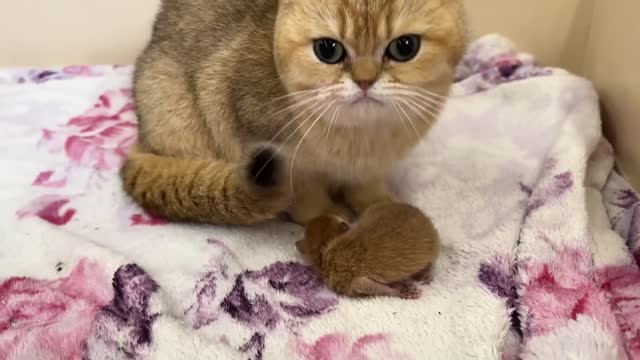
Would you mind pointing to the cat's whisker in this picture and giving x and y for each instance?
(417, 91)
(431, 108)
(434, 95)
(326, 140)
(296, 105)
(425, 111)
(296, 94)
(300, 114)
(435, 103)
(315, 107)
(416, 110)
(395, 106)
(444, 98)
(304, 93)
(409, 120)
(433, 113)
(295, 153)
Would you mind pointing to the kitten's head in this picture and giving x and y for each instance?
(318, 233)
(369, 60)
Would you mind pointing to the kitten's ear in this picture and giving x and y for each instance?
(343, 227)
(300, 245)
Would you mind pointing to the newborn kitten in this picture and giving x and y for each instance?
(343, 88)
(392, 246)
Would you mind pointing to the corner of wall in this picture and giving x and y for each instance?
(611, 62)
(572, 56)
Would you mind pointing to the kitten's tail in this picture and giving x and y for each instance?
(214, 192)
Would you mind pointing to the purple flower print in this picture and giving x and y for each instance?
(498, 276)
(254, 347)
(623, 206)
(554, 188)
(284, 292)
(303, 285)
(205, 310)
(627, 199)
(305, 295)
(492, 62)
(256, 311)
(40, 76)
(124, 326)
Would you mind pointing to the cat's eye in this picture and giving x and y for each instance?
(404, 48)
(329, 51)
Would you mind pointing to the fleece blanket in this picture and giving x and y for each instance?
(539, 236)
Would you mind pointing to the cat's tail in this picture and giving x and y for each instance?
(205, 191)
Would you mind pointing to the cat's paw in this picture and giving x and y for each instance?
(266, 174)
(265, 168)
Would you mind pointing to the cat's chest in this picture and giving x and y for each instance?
(353, 154)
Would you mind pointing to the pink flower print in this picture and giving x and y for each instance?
(42, 319)
(100, 137)
(622, 286)
(341, 347)
(80, 70)
(49, 208)
(561, 291)
(50, 179)
(147, 220)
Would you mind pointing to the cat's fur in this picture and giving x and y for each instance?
(220, 77)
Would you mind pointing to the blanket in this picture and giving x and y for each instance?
(541, 238)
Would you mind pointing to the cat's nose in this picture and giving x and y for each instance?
(365, 84)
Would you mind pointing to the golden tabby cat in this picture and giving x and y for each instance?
(341, 88)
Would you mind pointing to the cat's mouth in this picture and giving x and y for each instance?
(366, 100)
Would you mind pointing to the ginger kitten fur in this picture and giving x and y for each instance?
(392, 246)
(343, 89)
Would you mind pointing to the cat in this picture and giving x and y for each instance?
(338, 90)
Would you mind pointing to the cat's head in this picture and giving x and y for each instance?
(363, 61)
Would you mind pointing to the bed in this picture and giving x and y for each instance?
(540, 228)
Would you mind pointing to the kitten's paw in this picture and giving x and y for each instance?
(410, 292)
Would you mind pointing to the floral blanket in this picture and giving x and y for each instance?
(539, 236)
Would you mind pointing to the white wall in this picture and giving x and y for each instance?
(53, 32)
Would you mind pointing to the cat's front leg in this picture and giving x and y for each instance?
(361, 196)
(312, 199)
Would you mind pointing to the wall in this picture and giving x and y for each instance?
(543, 27)
(39, 32)
(55, 32)
(612, 61)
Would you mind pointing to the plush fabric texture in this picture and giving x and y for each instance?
(541, 236)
